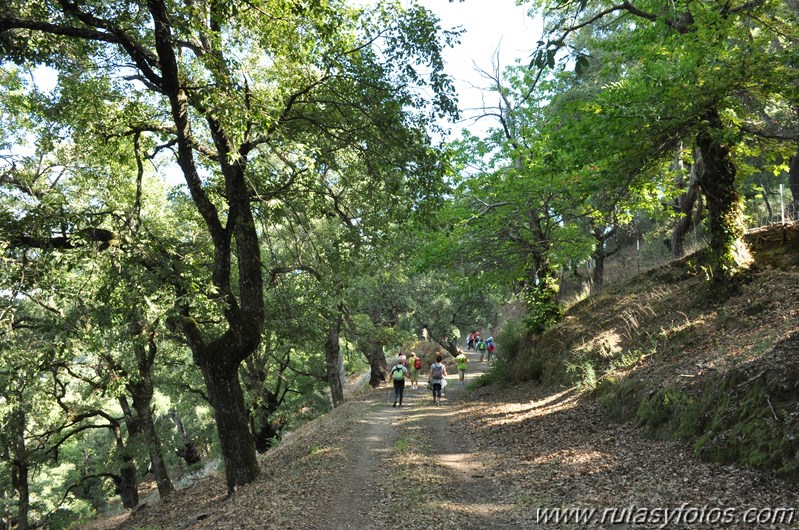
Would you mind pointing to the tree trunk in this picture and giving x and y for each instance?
(263, 402)
(685, 206)
(334, 363)
(542, 287)
(727, 250)
(793, 178)
(766, 202)
(188, 451)
(142, 393)
(20, 469)
(142, 398)
(601, 235)
(377, 364)
(450, 345)
(129, 483)
(265, 429)
(598, 274)
(236, 440)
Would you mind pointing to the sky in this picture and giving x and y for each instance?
(492, 27)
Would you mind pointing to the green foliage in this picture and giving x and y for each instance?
(670, 405)
(512, 336)
(586, 377)
(621, 399)
(743, 427)
(732, 420)
(500, 374)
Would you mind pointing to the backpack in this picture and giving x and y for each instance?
(438, 371)
(417, 364)
(397, 373)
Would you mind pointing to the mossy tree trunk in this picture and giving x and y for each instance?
(726, 251)
(541, 289)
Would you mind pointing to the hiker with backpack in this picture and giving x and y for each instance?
(490, 347)
(438, 373)
(481, 347)
(398, 375)
(414, 367)
(461, 361)
(470, 341)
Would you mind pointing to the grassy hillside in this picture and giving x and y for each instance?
(687, 359)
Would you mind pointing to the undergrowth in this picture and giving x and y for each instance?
(708, 364)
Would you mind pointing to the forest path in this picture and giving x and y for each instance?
(493, 460)
(385, 440)
(489, 458)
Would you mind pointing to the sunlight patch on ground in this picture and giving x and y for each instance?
(511, 413)
(606, 344)
(478, 509)
(458, 461)
(581, 459)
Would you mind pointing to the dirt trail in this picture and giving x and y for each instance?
(356, 487)
(492, 460)
(393, 448)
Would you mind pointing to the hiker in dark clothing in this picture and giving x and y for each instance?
(398, 374)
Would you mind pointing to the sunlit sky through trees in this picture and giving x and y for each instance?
(495, 31)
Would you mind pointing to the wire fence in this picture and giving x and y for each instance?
(650, 253)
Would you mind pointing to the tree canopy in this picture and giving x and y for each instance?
(222, 210)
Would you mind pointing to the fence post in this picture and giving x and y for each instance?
(782, 206)
(638, 253)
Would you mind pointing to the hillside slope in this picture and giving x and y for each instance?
(688, 359)
(715, 369)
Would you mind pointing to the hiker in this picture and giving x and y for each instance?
(398, 375)
(461, 360)
(414, 367)
(490, 347)
(470, 341)
(402, 359)
(438, 372)
(481, 347)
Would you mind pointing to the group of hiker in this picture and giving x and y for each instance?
(408, 367)
(484, 347)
